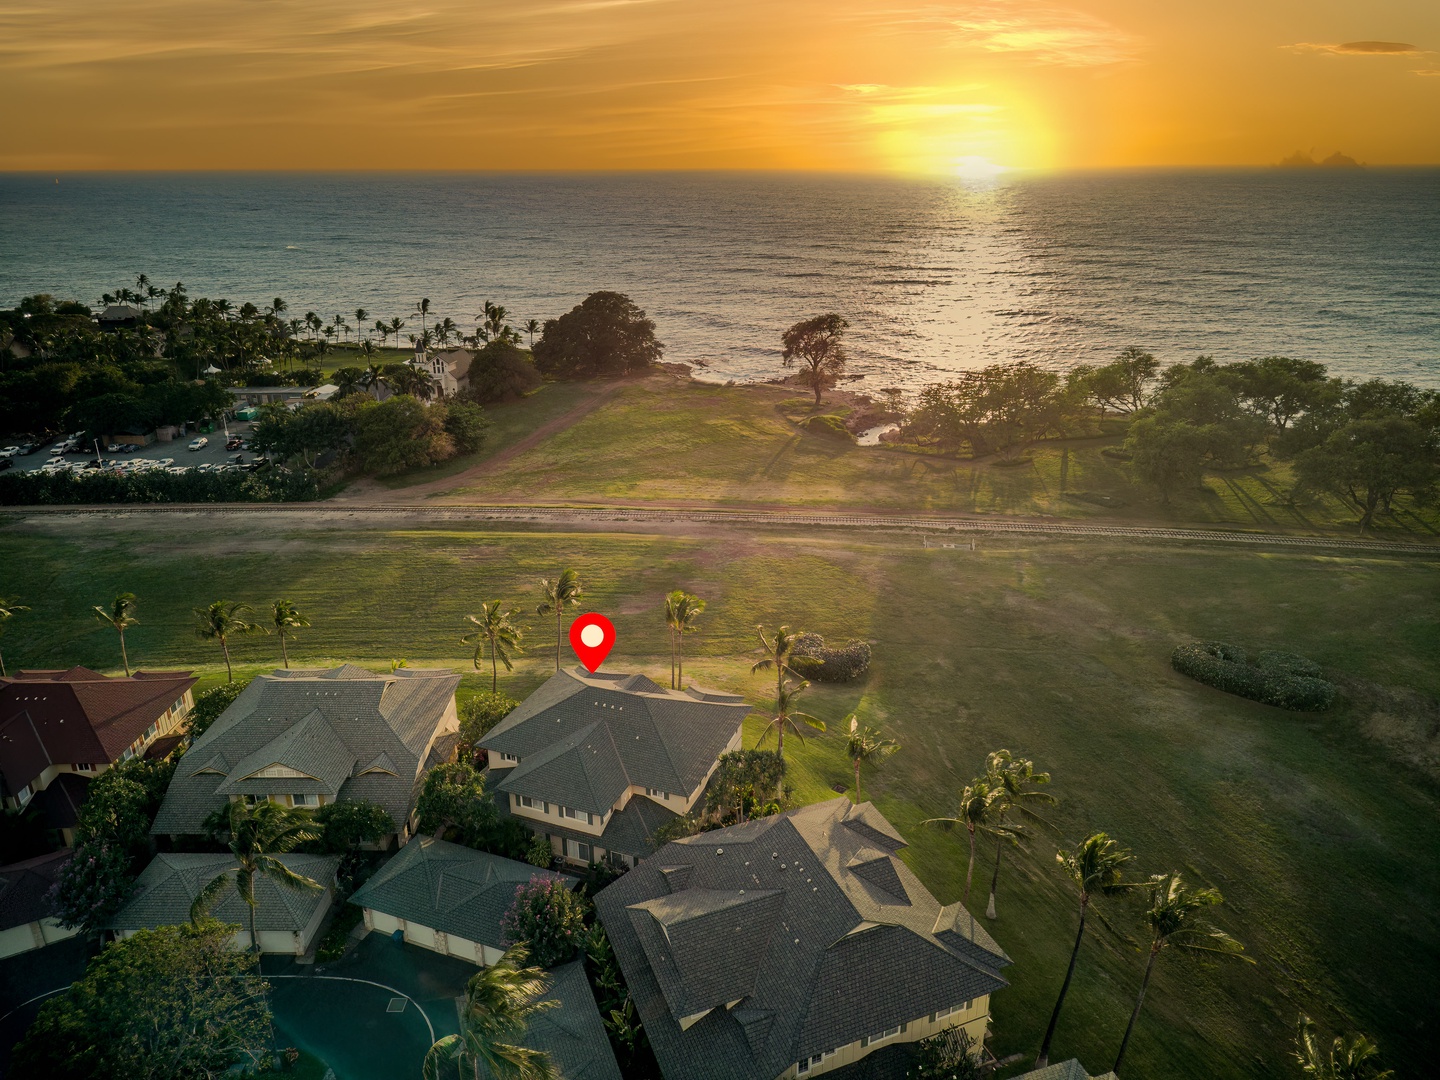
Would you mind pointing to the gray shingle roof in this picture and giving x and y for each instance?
(326, 723)
(629, 831)
(1063, 1070)
(792, 906)
(583, 738)
(573, 1035)
(449, 887)
(169, 885)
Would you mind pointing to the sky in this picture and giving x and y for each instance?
(893, 86)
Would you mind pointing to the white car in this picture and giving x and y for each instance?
(178, 470)
(9, 451)
(164, 462)
(200, 443)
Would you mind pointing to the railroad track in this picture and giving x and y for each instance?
(658, 515)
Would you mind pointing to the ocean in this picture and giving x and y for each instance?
(1338, 266)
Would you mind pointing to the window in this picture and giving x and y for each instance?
(577, 815)
(534, 804)
(576, 850)
(178, 705)
(656, 793)
(24, 795)
(152, 729)
(305, 800)
(888, 1033)
(812, 1061)
(83, 766)
(511, 758)
(939, 1013)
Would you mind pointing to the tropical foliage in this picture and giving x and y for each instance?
(495, 630)
(681, 611)
(558, 594)
(223, 620)
(500, 1002)
(549, 917)
(174, 1003)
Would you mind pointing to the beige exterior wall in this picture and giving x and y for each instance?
(975, 1019)
(549, 813)
(435, 940)
(165, 724)
(35, 935)
(279, 942)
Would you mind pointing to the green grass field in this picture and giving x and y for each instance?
(692, 443)
(1321, 836)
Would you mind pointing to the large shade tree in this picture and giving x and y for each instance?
(816, 345)
(607, 334)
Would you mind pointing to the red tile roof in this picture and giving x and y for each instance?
(78, 716)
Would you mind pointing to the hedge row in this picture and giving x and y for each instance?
(48, 489)
(813, 660)
(1274, 678)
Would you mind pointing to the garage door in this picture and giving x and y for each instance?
(420, 935)
(385, 924)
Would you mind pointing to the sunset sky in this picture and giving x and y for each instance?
(906, 86)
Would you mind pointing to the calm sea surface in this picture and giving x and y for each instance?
(1339, 267)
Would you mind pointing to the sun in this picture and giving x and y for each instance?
(973, 167)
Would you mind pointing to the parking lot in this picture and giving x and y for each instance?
(174, 455)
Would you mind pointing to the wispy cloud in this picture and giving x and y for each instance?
(1042, 33)
(1357, 48)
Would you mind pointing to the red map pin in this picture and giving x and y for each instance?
(592, 637)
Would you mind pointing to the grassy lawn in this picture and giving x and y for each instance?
(696, 443)
(1321, 837)
(510, 422)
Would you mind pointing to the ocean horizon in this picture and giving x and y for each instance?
(935, 276)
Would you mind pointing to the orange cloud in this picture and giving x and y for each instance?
(1359, 48)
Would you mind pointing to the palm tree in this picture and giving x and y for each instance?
(563, 590)
(221, 621)
(979, 812)
(383, 330)
(785, 716)
(866, 744)
(1013, 777)
(779, 654)
(360, 316)
(286, 620)
(120, 615)
(396, 325)
(373, 374)
(422, 309)
(681, 611)
(1173, 918)
(1353, 1058)
(8, 610)
(259, 835)
(1096, 865)
(348, 380)
(532, 327)
(494, 626)
(499, 1002)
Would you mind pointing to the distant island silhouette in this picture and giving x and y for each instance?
(1301, 159)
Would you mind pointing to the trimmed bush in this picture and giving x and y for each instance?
(833, 426)
(811, 659)
(99, 486)
(1281, 679)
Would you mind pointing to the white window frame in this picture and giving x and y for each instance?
(884, 1036)
(940, 1014)
(534, 804)
(656, 793)
(586, 855)
(24, 795)
(302, 800)
(83, 766)
(577, 815)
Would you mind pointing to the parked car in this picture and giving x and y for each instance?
(165, 462)
(28, 448)
(6, 463)
(177, 470)
(9, 451)
(60, 448)
(113, 448)
(233, 443)
(199, 443)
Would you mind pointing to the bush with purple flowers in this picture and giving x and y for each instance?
(549, 917)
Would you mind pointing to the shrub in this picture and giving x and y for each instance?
(501, 372)
(833, 426)
(947, 1055)
(478, 715)
(332, 945)
(99, 486)
(540, 852)
(548, 917)
(210, 704)
(349, 823)
(1281, 679)
(812, 660)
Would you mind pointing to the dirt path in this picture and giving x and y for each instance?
(376, 493)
